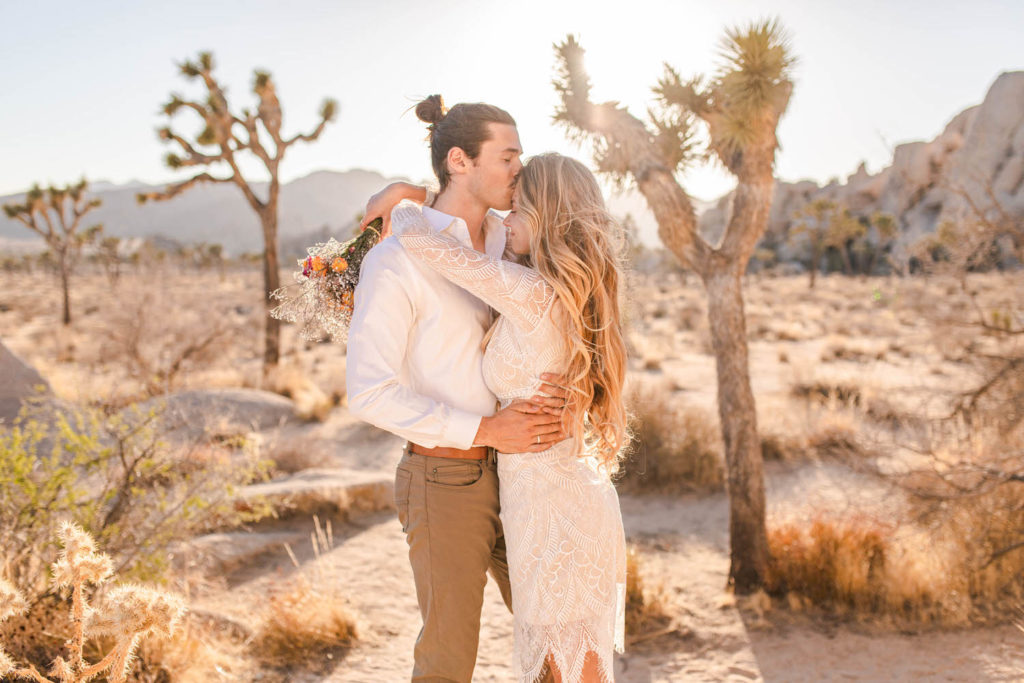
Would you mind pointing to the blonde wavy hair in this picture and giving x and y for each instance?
(575, 245)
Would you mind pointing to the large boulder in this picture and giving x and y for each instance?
(18, 382)
(222, 411)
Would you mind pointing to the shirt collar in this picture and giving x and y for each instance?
(494, 231)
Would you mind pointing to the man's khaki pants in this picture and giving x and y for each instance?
(449, 511)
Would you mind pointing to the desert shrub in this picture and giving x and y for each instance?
(157, 342)
(969, 485)
(127, 614)
(196, 652)
(676, 447)
(122, 479)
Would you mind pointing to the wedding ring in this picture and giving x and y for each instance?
(538, 439)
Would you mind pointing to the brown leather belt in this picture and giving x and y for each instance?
(474, 453)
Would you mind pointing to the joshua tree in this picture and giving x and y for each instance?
(61, 230)
(844, 231)
(222, 142)
(886, 229)
(813, 219)
(110, 256)
(740, 107)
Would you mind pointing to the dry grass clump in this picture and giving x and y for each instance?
(837, 434)
(645, 607)
(778, 447)
(677, 447)
(862, 567)
(305, 625)
(825, 391)
(855, 350)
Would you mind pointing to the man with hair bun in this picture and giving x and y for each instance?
(415, 353)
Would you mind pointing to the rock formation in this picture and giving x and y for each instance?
(978, 159)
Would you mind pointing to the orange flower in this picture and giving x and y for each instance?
(339, 264)
(347, 299)
(318, 264)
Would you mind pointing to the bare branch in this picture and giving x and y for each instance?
(327, 113)
(177, 188)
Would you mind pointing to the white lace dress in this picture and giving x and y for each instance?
(560, 512)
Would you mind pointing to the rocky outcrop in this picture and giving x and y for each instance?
(978, 159)
(18, 382)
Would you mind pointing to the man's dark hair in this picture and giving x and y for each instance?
(463, 126)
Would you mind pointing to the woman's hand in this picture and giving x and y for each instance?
(552, 394)
(381, 204)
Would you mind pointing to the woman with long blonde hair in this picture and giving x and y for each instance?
(558, 312)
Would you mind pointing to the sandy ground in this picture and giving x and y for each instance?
(682, 540)
(683, 545)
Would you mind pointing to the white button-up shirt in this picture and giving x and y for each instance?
(415, 351)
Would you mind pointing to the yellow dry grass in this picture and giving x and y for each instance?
(303, 627)
(677, 447)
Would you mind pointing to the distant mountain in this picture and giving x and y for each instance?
(219, 213)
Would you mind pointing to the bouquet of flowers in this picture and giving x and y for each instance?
(326, 285)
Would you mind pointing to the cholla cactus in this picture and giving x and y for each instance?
(130, 613)
(12, 603)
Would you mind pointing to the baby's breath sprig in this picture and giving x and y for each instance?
(326, 286)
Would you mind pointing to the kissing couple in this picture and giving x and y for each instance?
(494, 347)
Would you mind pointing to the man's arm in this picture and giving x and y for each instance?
(381, 204)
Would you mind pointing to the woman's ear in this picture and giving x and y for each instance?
(457, 161)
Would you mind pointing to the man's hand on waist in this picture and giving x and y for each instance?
(520, 427)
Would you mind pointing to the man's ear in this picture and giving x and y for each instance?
(458, 161)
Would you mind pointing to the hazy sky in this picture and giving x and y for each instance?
(81, 83)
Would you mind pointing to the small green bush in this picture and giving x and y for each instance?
(121, 479)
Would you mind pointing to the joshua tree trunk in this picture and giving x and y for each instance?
(815, 261)
(271, 282)
(65, 289)
(738, 415)
(844, 252)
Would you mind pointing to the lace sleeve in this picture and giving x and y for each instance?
(517, 292)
